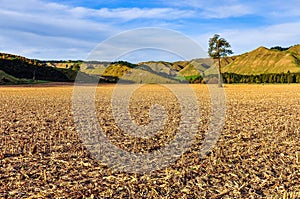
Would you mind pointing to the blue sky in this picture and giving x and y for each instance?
(71, 29)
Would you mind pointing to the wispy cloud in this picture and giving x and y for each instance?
(133, 13)
(139, 40)
(71, 28)
(138, 13)
(215, 8)
(44, 47)
(42, 25)
(244, 40)
(285, 35)
(49, 30)
(226, 11)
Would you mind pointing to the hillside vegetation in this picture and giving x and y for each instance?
(262, 65)
(7, 79)
(18, 70)
(265, 61)
(151, 71)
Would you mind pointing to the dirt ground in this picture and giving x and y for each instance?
(257, 154)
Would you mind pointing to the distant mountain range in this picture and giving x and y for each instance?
(261, 61)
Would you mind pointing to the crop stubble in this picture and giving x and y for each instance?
(257, 154)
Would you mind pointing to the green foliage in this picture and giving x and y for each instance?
(124, 63)
(17, 69)
(194, 79)
(296, 60)
(279, 48)
(13, 58)
(218, 47)
(20, 70)
(76, 67)
(23, 68)
(6, 79)
(231, 78)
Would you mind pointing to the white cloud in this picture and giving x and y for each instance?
(285, 35)
(214, 8)
(166, 40)
(244, 40)
(41, 29)
(59, 10)
(43, 47)
(275, 9)
(226, 11)
(132, 13)
(33, 27)
(138, 13)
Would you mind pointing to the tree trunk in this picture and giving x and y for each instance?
(33, 78)
(219, 73)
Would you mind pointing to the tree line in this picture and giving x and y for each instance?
(219, 48)
(230, 78)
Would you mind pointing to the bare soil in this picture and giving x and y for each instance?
(257, 154)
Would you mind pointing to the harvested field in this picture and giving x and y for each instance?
(257, 154)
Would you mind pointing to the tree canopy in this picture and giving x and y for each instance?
(219, 47)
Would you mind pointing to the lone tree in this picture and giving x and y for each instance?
(218, 48)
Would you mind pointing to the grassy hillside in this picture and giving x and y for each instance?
(23, 68)
(190, 70)
(140, 75)
(260, 61)
(295, 51)
(160, 67)
(257, 62)
(63, 64)
(7, 79)
(17, 69)
(116, 70)
(265, 61)
(145, 72)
